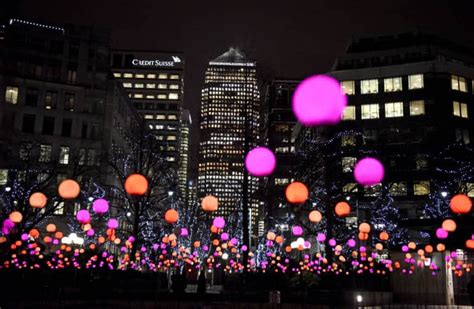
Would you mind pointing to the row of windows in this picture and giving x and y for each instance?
(150, 86)
(32, 96)
(420, 188)
(147, 76)
(161, 96)
(370, 86)
(160, 116)
(49, 123)
(392, 109)
(86, 156)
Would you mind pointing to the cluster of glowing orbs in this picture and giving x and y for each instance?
(460, 204)
(100, 206)
(51, 228)
(449, 225)
(315, 216)
(364, 228)
(318, 100)
(342, 209)
(136, 184)
(384, 236)
(210, 203)
(15, 217)
(369, 171)
(297, 230)
(112, 223)
(83, 216)
(218, 222)
(296, 193)
(171, 216)
(38, 200)
(260, 162)
(69, 189)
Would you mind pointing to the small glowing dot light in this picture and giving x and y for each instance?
(318, 100)
(100, 206)
(342, 209)
(369, 172)
(449, 225)
(218, 222)
(315, 216)
(260, 162)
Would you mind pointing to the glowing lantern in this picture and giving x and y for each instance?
(171, 216)
(441, 233)
(279, 239)
(69, 189)
(296, 193)
(260, 162)
(470, 244)
(51, 228)
(209, 203)
(379, 246)
(321, 237)
(449, 225)
(383, 236)
(218, 222)
(271, 235)
(34, 233)
(412, 245)
(214, 229)
(364, 228)
(363, 236)
(297, 230)
(112, 224)
(351, 243)
(342, 209)
(440, 247)
(136, 184)
(315, 216)
(369, 172)
(318, 100)
(460, 204)
(16, 217)
(83, 216)
(38, 200)
(100, 206)
(429, 249)
(58, 235)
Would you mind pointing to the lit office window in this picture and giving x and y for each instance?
(127, 85)
(162, 86)
(350, 187)
(170, 159)
(369, 86)
(417, 108)
(392, 84)
(370, 111)
(398, 189)
(171, 138)
(45, 153)
(148, 116)
(151, 76)
(127, 75)
(421, 162)
(163, 76)
(139, 75)
(462, 135)
(161, 96)
(394, 109)
(282, 149)
(64, 155)
(150, 96)
(159, 127)
(82, 156)
(172, 117)
(469, 187)
(421, 187)
(69, 101)
(3, 176)
(460, 109)
(50, 99)
(150, 86)
(138, 95)
(348, 140)
(173, 96)
(458, 83)
(348, 164)
(281, 181)
(139, 86)
(349, 113)
(11, 95)
(58, 208)
(415, 81)
(92, 157)
(174, 86)
(161, 117)
(117, 75)
(348, 87)
(174, 76)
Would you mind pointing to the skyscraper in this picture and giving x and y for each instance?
(229, 127)
(184, 151)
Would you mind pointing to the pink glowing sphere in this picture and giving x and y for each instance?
(100, 206)
(351, 243)
(225, 236)
(90, 232)
(405, 248)
(260, 162)
(218, 222)
(83, 216)
(297, 230)
(332, 242)
(321, 237)
(369, 172)
(318, 100)
(112, 224)
(184, 232)
(441, 233)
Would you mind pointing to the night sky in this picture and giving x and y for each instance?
(290, 39)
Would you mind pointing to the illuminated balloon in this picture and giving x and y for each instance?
(429, 249)
(69, 189)
(38, 200)
(297, 230)
(351, 243)
(260, 162)
(83, 216)
(218, 222)
(441, 233)
(136, 184)
(440, 247)
(342, 209)
(364, 228)
(100, 206)
(363, 236)
(383, 236)
(171, 216)
(412, 245)
(112, 224)
(321, 237)
(449, 225)
(369, 172)
(315, 216)
(16, 217)
(460, 204)
(34, 233)
(51, 228)
(318, 100)
(209, 203)
(470, 244)
(271, 235)
(296, 193)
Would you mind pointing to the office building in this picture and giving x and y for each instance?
(183, 170)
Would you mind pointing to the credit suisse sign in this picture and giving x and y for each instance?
(175, 60)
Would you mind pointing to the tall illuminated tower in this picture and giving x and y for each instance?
(230, 109)
(184, 151)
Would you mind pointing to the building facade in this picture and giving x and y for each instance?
(183, 171)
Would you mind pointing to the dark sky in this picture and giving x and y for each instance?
(292, 38)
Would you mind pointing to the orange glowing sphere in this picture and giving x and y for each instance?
(315, 216)
(440, 247)
(364, 228)
(460, 204)
(271, 235)
(214, 229)
(34, 233)
(363, 236)
(412, 245)
(383, 236)
(51, 228)
(171, 216)
(69, 189)
(428, 249)
(136, 184)
(342, 209)
(279, 239)
(209, 203)
(38, 200)
(449, 225)
(58, 235)
(470, 244)
(16, 217)
(296, 193)
(288, 249)
(197, 244)
(379, 246)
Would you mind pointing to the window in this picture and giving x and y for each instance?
(348, 140)
(348, 164)
(58, 208)
(28, 125)
(469, 186)
(174, 76)
(64, 155)
(171, 138)
(151, 76)
(398, 189)
(45, 153)
(148, 116)
(69, 100)
(138, 95)
(50, 99)
(139, 75)
(348, 87)
(25, 151)
(140, 86)
(66, 128)
(349, 113)
(462, 136)
(421, 162)
(460, 109)
(174, 86)
(394, 109)
(458, 83)
(3, 177)
(163, 76)
(369, 86)
(71, 76)
(417, 108)
(370, 135)
(84, 130)
(162, 86)
(350, 187)
(162, 96)
(92, 157)
(150, 86)
(415, 81)
(282, 149)
(11, 95)
(31, 98)
(127, 75)
(372, 190)
(117, 75)
(48, 125)
(127, 85)
(173, 96)
(370, 111)
(82, 156)
(421, 187)
(160, 117)
(281, 181)
(172, 117)
(392, 84)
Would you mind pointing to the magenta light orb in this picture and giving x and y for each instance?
(369, 172)
(24, 237)
(112, 224)
(405, 248)
(351, 243)
(184, 232)
(100, 206)
(321, 237)
(218, 222)
(441, 233)
(260, 162)
(131, 239)
(244, 248)
(225, 236)
(234, 242)
(83, 216)
(318, 100)
(90, 232)
(297, 230)
(332, 242)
